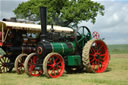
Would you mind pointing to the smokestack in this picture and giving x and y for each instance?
(43, 17)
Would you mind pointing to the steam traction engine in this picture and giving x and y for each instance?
(73, 51)
(18, 39)
(15, 44)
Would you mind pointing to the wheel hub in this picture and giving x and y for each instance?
(4, 65)
(97, 56)
(56, 66)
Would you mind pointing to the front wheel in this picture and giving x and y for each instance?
(19, 63)
(53, 65)
(31, 65)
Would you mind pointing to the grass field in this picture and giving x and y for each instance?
(117, 49)
(117, 74)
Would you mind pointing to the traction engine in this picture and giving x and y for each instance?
(73, 51)
(15, 44)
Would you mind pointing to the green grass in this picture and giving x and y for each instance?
(117, 74)
(118, 49)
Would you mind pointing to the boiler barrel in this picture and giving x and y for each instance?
(64, 48)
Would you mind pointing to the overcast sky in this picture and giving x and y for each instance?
(113, 26)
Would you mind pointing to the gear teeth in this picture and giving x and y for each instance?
(85, 56)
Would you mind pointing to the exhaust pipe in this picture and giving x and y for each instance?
(43, 18)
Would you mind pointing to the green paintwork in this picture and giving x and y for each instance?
(63, 49)
(74, 60)
(69, 51)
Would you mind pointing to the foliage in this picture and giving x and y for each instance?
(61, 12)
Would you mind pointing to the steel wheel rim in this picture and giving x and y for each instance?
(31, 66)
(55, 66)
(98, 56)
(21, 61)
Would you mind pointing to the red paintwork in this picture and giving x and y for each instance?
(55, 66)
(96, 35)
(39, 50)
(1, 43)
(99, 57)
(31, 67)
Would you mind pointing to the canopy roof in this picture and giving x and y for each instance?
(33, 28)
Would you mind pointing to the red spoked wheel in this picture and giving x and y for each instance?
(31, 67)
(53, 65)
(95, 56)
(96, 35)
(19, 63)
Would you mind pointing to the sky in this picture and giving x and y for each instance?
(113, 26)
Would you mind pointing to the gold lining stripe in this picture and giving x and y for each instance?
(62, 48)
(52, 47)
(73, 48)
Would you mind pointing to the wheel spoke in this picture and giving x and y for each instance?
(57, 59)
(59, 62)
(1, 60)
(100, 47)
(33, 60)
(100, 51)
(92, 60)
(102, 58)
(98, 68)
(90, 57)
(100, 61)
(4, 59)
(91, 54)
(49, 65)
(50, 60)
(57, 70)
(54, 61)
(53, 71)
(59, 66)
(32, 67)
(96, 47)
(49, 69)
(92, 49)
(102, 54)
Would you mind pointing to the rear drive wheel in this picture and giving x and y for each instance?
(95, 56)
(30, 65)
(19, 63)
(53, 65)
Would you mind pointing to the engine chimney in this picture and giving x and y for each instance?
(43, 17)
